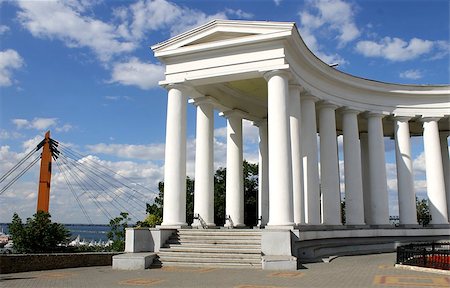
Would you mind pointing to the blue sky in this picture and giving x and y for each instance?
(84, 70)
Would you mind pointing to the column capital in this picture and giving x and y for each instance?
(429, 119)
(233, 113)
(272, 73)
(305, 96)
(202, 100)
(299, 87)
(445, 133)
(371, 114)
(326, 104)
(180, 86)
(349, 110)
(401, 118)
(259, 123)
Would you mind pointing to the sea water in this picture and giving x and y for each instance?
(87, 232)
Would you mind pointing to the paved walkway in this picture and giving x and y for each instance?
(352, 271)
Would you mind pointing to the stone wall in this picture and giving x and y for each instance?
(34, 262)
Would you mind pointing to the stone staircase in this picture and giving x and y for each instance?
(223, 248)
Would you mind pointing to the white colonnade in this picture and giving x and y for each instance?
(289, 181)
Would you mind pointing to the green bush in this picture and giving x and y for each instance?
(38, 234)
(117, 233)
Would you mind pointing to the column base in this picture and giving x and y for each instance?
(230, 225)
(173, 226)
(198, 225)
(281, 227)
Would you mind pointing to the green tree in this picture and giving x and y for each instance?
(117, 231)
(423, 212)
(38, 234)
(155, 210)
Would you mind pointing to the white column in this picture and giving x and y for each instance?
(310, 160)
(364, 143)
(174, 212)
(204, 163)
(297, 165)
(377, 170)
(405, 176)
(446, 166)
(354, 200)
(234, 206)
(329, 165)
(280, 169)
(263, 174)
(435, 172)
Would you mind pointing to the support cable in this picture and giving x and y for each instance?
(20, 174)
(98, 170)
(80, 183)
(60, 167)
(97, 185)
(14, 168)
(81, 156)
(102, 187)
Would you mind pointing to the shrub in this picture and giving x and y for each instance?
(38, 234)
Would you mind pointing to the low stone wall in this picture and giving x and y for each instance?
(34, 262)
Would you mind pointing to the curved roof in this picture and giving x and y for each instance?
(216, 57)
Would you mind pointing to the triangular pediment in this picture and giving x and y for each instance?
(218, 31)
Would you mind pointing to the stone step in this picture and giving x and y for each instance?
(212, 246)
(192, 260)
(215, 236)
(220, 233)
(163, 254)
(208, 249)
(207, 265)
(214, 241)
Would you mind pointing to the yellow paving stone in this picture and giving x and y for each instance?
(187, 269)
(385, 266)
(256, 286)
(412, 280)
(287, 274)
(56, 275)
(140, 282)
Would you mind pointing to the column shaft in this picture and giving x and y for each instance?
(174, 212)
(446, 166)
(435, 172)
(329, 166)
(405, 176)
(280, 169)
(364, 143)
(377, 170)
(263, 171)
(234, 205)
(310, 160)
(297, 170)
(354, 200)
(204, 164)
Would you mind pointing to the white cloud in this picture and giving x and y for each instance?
(64, 21)
(3, 29)
(277, 2)
(333, 15)
(411, 74)
(36, 123)
(329, 17)
(41, 124)
(10, 60)
(395, 49)
(136, 73)
(143, 152)
(239, 13)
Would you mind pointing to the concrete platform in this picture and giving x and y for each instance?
(133, 261)
(347, 272)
